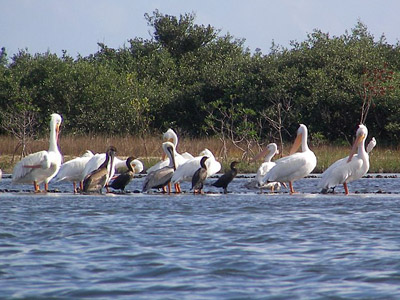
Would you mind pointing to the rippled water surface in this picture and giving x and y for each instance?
(243, 245)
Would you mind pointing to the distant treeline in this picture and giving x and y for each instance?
(199, 82)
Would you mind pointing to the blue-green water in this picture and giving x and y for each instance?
(243, 245)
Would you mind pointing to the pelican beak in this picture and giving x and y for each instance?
(296, 144)
(57, 131)
(261, 154)
(353, 151)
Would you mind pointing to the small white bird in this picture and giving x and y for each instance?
(41, 166)
(350, 168)
(72, 169)
(296, 165)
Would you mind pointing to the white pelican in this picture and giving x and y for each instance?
(170, 136)
(185, 171)
(162, 177)
(267, 165)
(133, 166)
(350, 168)
(97, 179)
(296, 165)
(41, 166)
(72, 169)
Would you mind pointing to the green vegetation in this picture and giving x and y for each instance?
(202, 84)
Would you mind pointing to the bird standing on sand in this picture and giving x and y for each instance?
(199, 176)
(226, 178)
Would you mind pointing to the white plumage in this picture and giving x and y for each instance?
(72, 169)
(350, 168)
(185, 171)
(41, 166)
(296, 165)
(171, 136)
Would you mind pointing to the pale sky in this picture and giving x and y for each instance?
(78, 25)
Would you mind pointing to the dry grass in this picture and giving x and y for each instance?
(383, 160)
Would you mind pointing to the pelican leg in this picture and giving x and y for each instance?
(36, 187)
(177, 188)
(164, 189)
(81, 185)
(291, 188)
(346, 189)
(46, 187)
(169, 188)
(74, 183)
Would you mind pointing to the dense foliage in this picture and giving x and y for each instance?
(191, 78)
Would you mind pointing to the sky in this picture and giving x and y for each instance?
(78, 25)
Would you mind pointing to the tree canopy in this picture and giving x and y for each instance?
(192, 78)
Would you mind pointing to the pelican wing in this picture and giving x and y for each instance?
(26, 169)
(263, 169)
(342, 171)
(292, 167)
(186, 170)
(72, 169)
(95, 181)
(158, 179)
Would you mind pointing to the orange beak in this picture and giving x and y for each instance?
(57, 131)
(355, 146)
(296, 144)
(261, 154)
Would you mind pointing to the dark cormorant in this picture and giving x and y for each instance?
(226, 178)
(123, 179)
(199, 176)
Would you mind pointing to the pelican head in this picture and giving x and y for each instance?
(301, 139)
(268, 152)
(55, 122)
(361, 135)
(170, 136)
(137, 166)
(169, 149)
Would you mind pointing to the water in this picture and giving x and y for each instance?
(243, 245)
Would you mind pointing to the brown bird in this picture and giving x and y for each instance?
(160, 178)
(226, 178)
(97, 179)
(199, 176)
(123, 179)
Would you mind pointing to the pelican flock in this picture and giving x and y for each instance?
(95, 171)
